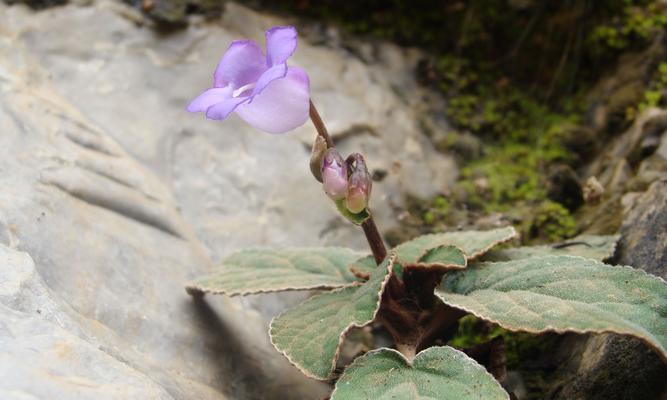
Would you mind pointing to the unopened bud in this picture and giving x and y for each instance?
(359, 184)
(334, 174)
(316, 155)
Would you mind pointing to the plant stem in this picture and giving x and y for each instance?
(370, 229)
(374, 239)
(319, 125)
(407, 350)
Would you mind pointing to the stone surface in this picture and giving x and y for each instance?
(111, 254)
(643, 241)
(113, 198)
(613, 167)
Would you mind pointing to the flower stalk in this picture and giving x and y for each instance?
(369, 227)
(319, 125)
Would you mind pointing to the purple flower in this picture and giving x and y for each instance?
(263, 90)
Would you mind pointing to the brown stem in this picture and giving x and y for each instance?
(374, 239)
(319, 125)
(370, 229)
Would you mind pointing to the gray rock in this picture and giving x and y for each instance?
(661, 151)
(121, 198)
(643, 241)
(35, 347)
(613, 167)
(226, 174)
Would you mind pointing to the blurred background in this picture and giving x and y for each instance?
(547, 115)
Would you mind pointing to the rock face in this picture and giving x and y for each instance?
(644, 234)
(112, 198)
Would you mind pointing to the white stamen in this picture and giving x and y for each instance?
(243, 89)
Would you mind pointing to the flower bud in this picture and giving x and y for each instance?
(359, 184)
(334, 174)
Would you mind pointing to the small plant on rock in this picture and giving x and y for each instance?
(420, 289)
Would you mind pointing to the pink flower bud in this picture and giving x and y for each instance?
(334, 174)
(359, 185)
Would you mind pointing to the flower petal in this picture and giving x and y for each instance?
(208, 98)
(280, 44)
(271, 74)
(282, 106)
(221, 110)
(242, 63)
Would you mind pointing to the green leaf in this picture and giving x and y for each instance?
(590, 246)
(310, 334)
(441, 373)
(271, 270)
(563, 294)
(357, 218)
(473, 243)
(363, 265)
(442, 257)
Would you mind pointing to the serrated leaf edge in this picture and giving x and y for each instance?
(231, 293)
(481, 252)
(343, 334)
(485, 250)
(293, 248)
(410, 364)
(608, 255)
(437, 265)
(656, 346)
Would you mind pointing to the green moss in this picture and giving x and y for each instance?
(550, 222)
(523, 138)
(655, 96)
(435, 211)
(638, 21)
(471, 331)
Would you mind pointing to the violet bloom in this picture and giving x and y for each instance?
(263, 90)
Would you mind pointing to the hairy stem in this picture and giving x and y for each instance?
(370, 229)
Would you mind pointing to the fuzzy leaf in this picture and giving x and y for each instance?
(271, 270)
(363, 265)
(590, 246)
(310, 334)
(563, 294)
(442, 257)
(441, 373)
(472, 243)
